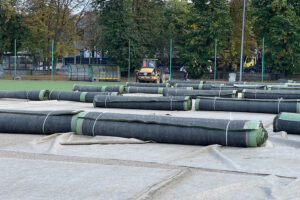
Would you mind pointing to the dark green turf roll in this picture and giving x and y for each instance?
(149, 103)
(281, 87)
(271, 94)
(288, 122)
(148, 90)
(77, 96)
(36, 122)
(136, 84)
(173, 130)
(247, 105)
(195, 93)
(90, 88)
(34, 95)
(173, 82)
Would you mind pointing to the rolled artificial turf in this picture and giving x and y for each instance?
(34, 95)
(137, 84)
(148, 90)
(36, 122)
(90, 88)
(173, 130)
(247, 105)
(195, 93)
(288, 122)
(271, 94)
(161, 129)
(77, 96)
(149, 103)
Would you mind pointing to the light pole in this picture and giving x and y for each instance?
(242, 43)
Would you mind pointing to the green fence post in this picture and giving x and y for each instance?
(52, 60)
(215, 70)
(15, 73)
(129, 61)
(262, 60)
(89, 63)
(170, 59)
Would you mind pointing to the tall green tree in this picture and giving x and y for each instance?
(278, 22)
(208, 20)
(175, 20)
(11, 26)
(115, 22)
(231, 55)
(140, 21)
(49, 20)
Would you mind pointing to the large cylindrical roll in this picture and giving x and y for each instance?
(173, 130)
(77, 96)
(284, 81)
(194, 86)
(254, 87)
(281, 87)
(91, 88)
(288, 122)
(223, 83)
(34, 95)
(195, 93)
(173, 82)
(148, 90)
(271, 94)
(247, 105)
(292, 84)
(135, 84)
(149, 103)
(36, 122)
(237, 87)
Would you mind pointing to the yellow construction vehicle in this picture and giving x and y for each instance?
(250, 61)
(150, 72)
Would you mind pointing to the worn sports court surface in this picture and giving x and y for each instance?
(66, 166)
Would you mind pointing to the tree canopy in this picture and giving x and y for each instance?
(193, 26)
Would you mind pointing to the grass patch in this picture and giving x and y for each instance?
(50, 85)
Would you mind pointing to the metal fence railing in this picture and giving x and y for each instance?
(94, 73)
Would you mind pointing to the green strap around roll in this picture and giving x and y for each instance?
(44, 95)
(82, 96)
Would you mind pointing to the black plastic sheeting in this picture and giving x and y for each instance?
(173, 130)
(34, 95)
(77, 96)
(136, 84)
(271, 94)
(195, 93)
(36, 122)
(288, 122)
(90, 88)
(149, 103)
(247, 105)
(148, 90)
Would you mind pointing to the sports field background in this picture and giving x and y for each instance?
(50, 85)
